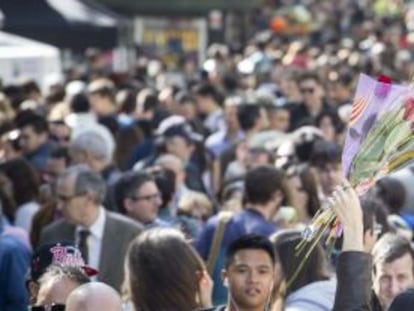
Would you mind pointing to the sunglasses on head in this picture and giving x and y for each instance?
(52, 307)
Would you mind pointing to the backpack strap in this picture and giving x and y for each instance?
(223, 218)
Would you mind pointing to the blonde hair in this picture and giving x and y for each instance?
(195, 200)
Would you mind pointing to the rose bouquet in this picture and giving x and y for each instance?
(379, 141)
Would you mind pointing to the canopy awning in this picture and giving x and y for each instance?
(74, 24)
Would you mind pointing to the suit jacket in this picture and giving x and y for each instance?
(119, 231)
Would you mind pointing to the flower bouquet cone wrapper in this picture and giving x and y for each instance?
(379, 140)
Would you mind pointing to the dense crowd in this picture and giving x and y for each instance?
(185, 188)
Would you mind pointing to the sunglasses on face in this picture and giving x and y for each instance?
(308, 90)
(150, 197)
(52, 307)
(60, 138)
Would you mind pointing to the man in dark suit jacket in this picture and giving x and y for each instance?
(102, 236)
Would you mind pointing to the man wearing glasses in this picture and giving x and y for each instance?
(102, 236)
(139, 198)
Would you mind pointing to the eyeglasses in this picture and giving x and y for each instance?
(52, 307)
(150, 197)
(309, 90)
(60, 138)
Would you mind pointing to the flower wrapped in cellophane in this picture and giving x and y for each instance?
(379, 141)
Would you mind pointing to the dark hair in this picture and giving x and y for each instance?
(374, 208)
(309, 185)
(309, 76)
(392, 192)
(24, 179)
(8, 207)
(29, 87)
(148, 99)
(262, 182)
(150, 102)
(389, 248)
(126, 139)
(61, 153)
(183, 97)
(249, 242)
(127, 185)
(247, 115)
(345, 79)
(30, 118)
(324, 153)
(80, 103)
(315, 269)
(209, 90)
(165, 180)
(159, 285)
(337, 123)
(126, 100)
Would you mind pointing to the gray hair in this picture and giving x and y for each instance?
(93, 142)
(391, 247)
(86, 181)
(73, 273)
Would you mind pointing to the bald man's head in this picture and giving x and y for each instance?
(94, 296)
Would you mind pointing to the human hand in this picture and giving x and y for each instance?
(346, 205)
(205, 286)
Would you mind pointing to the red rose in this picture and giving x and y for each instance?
(384, 79)
(383, 86)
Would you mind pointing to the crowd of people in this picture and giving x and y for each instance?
(188, 188)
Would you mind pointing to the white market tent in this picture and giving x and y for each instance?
(25, 58)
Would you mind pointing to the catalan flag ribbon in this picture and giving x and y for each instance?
(379, 141)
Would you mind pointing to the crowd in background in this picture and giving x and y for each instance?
(247, 142)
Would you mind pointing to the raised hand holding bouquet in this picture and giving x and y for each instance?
(379, 141)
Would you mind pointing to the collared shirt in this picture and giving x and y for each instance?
(95, 239)
(157, 223)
